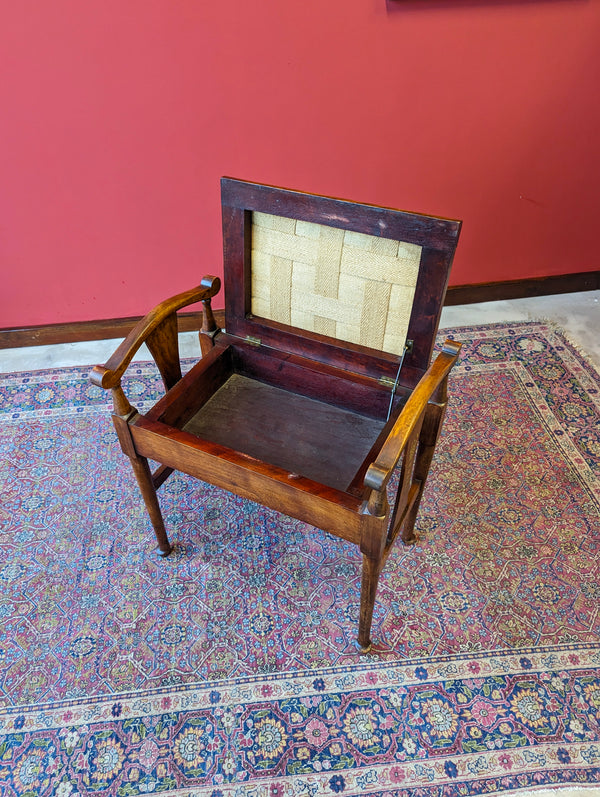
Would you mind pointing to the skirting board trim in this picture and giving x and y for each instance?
(523, 289)
(457, 294)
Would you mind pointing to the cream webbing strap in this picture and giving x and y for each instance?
(350, 286)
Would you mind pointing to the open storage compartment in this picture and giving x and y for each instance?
(321, 386)
(305, 417)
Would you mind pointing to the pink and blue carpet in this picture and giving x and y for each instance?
(230, 668)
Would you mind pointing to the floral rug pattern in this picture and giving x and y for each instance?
(230, 668)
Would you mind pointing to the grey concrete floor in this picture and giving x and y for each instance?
(578, 314)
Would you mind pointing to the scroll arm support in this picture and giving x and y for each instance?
(158, 330)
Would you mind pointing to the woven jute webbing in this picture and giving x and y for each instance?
(349, 286)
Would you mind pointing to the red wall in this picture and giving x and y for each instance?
(119, 117)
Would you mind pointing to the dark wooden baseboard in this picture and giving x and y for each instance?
(90, 330)
(523, 289)
(457, 294)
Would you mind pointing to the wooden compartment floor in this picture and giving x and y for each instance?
(302, 435)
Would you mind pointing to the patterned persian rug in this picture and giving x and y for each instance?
(229, 669)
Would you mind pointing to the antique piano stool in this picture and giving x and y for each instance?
(321, 385)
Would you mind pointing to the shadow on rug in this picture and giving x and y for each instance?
(230, 668)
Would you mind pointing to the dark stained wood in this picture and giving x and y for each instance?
(323, 349)
(210, 328)
(145, 482)
(357, 486)
(105, 329)
(427, 307)
(432, 424)
(163, 344)
(375, 515)
(306, 377)
(343, 214)
(289, 493)
(371, 571)
(311, 378)
(109, 375)
(380, 472)
(523, 288)
(298, 422)
(438, 237)
(197, 386)
(160, 475)
(299, 434)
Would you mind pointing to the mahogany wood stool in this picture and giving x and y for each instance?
(321, 384)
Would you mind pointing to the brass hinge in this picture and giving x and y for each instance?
(387, 381)
(253, 341)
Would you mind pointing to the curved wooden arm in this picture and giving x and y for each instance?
(379, 472)
(109, 375)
